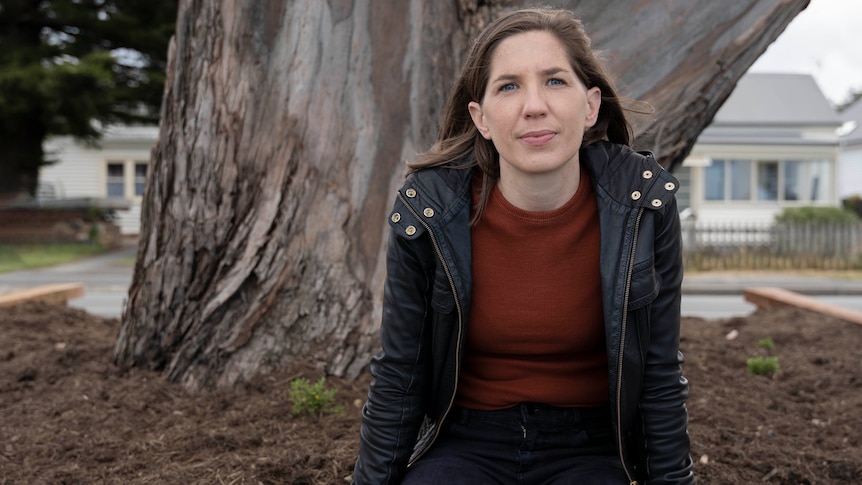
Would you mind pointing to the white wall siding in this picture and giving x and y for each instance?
(850, 170)
(76, 173)
(736, 213)
(81, 171)
(129, 221)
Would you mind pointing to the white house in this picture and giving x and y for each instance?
(115, 170)
(850, 157)
(773, 144)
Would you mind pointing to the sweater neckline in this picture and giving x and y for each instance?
(540, 217)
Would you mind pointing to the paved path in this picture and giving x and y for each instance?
(808, 283)
(720, 295)
(106, 280)
(707, 295)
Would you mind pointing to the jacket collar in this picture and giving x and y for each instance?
(628, 178)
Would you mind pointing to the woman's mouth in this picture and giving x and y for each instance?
(538, 138)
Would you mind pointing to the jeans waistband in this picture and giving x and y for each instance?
(533, 413)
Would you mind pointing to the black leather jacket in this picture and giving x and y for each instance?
(427, 304)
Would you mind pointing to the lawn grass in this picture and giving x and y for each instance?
(14, 257)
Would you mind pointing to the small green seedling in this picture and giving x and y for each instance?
(766, 343)
(763, 365)
(314, 399)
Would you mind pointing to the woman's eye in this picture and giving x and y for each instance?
(556, 82)
(507, 87)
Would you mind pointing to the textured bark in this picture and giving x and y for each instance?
(284, 131)
(684, 57)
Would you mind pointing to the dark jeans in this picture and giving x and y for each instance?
(530, 444)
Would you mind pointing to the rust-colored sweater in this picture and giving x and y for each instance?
(536, 328)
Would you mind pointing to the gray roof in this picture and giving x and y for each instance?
(853, 113)
(777, 100)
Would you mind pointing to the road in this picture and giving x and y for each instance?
(715, 306)
(107, 278)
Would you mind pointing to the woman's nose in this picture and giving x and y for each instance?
(535, 103)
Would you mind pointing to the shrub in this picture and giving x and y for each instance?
(853, 204)
(817, 214)
(314, 399)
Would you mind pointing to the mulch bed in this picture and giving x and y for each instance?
(69, 416)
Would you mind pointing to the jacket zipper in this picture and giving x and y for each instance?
(460, 323)
(629, 272)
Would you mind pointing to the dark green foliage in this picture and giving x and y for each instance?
(817, 214)
(852, 98)
(65, 64)
(853, 204)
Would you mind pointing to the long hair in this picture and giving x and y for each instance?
(458, 137)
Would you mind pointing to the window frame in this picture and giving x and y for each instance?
(130, 178)
(805, 172)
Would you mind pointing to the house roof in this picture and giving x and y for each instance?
(131, 133)
(775, 108)
(853, 114)
(777, 99)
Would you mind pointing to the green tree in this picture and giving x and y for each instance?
(68, 67)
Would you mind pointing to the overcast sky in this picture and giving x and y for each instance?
(825, 40)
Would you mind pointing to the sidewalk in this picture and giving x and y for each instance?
(808, 283)
(708, 294)
(106, 280)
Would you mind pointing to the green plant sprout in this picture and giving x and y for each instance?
(314, 399)
(763, 365)
(766, 343)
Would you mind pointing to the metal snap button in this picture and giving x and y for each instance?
(396, 217)
(670, 186)
(429, 212)
(636, 195)
(656, 203)
(411, 193)
(411, 230)
(647, 174)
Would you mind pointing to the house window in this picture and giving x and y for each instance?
(116, 182)
(818, 180)
(728, 180)
(740, 179)
(767, 180)
(125, 178)
(793, 180)
(714, 181)
(140, 178)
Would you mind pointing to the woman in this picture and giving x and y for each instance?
(530, 328)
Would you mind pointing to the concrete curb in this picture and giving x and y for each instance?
(738, 288)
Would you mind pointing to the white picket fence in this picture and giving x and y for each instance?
(771, 246)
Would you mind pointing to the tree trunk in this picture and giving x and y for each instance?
(284, 131)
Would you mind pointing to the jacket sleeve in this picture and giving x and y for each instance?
(665, 390)
(394, 410)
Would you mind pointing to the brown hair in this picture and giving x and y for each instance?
(458, 136)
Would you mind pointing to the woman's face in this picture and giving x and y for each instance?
(535, 109)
